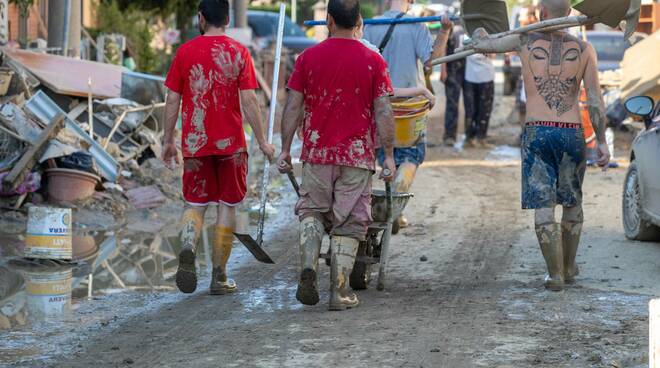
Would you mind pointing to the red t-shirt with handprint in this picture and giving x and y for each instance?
(209, 72)
(340, 79)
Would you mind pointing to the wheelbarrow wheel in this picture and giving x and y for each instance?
(395, 227)
(361, 274)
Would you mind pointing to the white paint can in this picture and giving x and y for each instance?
(49, 233)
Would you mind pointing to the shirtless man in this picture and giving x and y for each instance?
(553, 164)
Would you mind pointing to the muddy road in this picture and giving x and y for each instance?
(464, 288)
(476, 301)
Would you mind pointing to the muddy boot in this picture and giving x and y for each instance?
(222, 243)
(549, 237)
(311, 236)
(186, 276)
(570, 233)
(220, 284)
(344, 251)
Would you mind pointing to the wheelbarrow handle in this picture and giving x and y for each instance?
(294, 182)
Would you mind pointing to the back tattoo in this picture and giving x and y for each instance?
(556, 60)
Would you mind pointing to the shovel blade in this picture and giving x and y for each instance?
(610, 12)
(492, 15)
(254, 248)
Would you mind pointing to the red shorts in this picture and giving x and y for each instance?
(215, 179)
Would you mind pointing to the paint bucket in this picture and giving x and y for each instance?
(410, 120)
(49, 233)
(48, 290)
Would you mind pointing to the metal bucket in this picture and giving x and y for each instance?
(48, 290)
(379, 204)
(49, 233)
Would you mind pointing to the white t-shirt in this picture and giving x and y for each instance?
(479, 69)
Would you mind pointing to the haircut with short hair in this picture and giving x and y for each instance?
(557, 8)
(346, 13)
(215, 12)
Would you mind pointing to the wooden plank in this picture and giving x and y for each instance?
(69, 76)
(31, 157)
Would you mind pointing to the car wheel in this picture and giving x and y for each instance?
(635, 225)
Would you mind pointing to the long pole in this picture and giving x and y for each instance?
(271, 121)
(381, 21)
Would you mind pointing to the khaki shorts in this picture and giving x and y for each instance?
(339, 196)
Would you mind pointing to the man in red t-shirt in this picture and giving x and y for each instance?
(342, 88)
(211, 78)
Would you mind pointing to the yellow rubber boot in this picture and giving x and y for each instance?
(186, 276)
(222, 244)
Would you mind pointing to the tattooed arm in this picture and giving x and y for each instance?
(252, 112)
(293, 113)
(595, 105)
(385, 127)
(172, 106)
(440, 44)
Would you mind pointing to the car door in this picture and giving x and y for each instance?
(648, 159)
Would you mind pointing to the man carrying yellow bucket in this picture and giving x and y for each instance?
(403, 47)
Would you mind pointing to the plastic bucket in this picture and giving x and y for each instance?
(409, 128)
(410, 120)
(49, 233)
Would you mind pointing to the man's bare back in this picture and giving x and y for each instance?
(554, 66)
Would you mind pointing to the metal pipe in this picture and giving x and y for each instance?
(271, 120)
(381, 21)
(67, 23)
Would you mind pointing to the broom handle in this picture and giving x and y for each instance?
(271, 122)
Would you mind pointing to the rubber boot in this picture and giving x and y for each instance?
(186, 276)
(344, 251)
(570, 233)
(549, 237)
(311, 236)
(222, 243)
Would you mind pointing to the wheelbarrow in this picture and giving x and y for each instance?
(385, 207)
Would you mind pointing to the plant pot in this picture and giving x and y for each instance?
(66, 185)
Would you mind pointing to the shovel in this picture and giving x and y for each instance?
(255, 246)
(610, 12)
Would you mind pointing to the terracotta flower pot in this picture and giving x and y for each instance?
(67, 185)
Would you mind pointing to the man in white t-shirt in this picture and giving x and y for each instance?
(478, 94)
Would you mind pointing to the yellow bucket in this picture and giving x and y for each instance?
(409, 128)
(49, 233)
(410, 120)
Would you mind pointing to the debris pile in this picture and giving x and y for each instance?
(74, 133)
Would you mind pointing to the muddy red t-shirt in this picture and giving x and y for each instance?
(340, 79)
(209, 72)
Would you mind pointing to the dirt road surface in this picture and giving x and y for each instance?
(464, 290)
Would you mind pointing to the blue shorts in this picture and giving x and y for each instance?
(414, 155)
(553, 166)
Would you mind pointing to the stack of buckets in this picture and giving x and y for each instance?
(410, 118)
(49, 237)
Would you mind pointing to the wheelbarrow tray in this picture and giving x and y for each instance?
(379, 206)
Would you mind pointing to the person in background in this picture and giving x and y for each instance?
(478, 96)
(404, 47)
(453, 75)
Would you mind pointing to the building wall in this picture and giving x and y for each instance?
(33, 22)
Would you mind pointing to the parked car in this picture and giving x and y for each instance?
(264, 29)
(641, 191)
(610, 47)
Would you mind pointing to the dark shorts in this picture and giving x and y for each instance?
(414, 155)
(553, 166)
